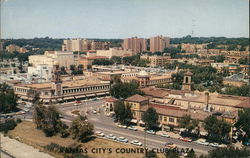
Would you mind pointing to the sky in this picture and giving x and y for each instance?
(124, 18)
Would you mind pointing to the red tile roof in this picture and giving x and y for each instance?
(136, 98)
(110, 99)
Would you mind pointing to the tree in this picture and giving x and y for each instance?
(122, 112)
(150, 118)
(171, 153)
(244, 61)
(48, 120)
(187, 122)
(243, 123)
(32, 93)
(63, 70)
(243, 90)
(81, 129)
(8, 99)
(150, 154)
(124, 90)
(191, 154)
(217, 129)
(229, 152)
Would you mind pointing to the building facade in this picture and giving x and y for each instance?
(159, 43)
(136, 45)
(50, 57)
(84, 45)
(155, 61)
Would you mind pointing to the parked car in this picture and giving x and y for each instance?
(26, 109)
(165, 135)
(111, 136)
(132, 128)
(202, 142)
(115, 120)
(170, 145)
(94, 111)
(122, 139)
(214, 144)
(119, 125)
(150, 131)
(98, 133)
(123, 126)
(222, 145)
(186, 139)
(19, 112)
(136, 142)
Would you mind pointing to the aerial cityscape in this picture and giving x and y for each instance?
(124, 79)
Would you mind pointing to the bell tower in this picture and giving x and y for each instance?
(187, 81)
(56, 80)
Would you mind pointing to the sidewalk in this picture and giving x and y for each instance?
(21, 150)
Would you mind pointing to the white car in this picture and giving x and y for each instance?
(136, 142)
(132, 128)
(150, 131)
(26, 109)
(214, 144)
(123, 126)
(111, 136)
(222, 145)
(165, 135)
(94, 111)
(202, 142)
(122, 139)
(98, 133)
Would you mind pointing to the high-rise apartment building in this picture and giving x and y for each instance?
(84, 45)
(159, 43)
(136, 45)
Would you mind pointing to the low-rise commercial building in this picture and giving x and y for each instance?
(155, 61)
(119, 52)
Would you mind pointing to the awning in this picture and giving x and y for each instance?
(101, 93)
(134, 121)
(24, 97)
(107, 92)
(81, 96)
(90, 95)
(141, 122)
(53, 100)
(66, 98)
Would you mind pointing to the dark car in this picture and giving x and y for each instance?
(115, 120)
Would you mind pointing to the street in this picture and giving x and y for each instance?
(106, 125)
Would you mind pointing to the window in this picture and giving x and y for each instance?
(165, 118)
(170, 119)
(160, 117)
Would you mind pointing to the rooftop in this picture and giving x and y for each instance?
(136, 98)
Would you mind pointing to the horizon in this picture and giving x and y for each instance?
(118, 19)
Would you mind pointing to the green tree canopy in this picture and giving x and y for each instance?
(124, 90)
(81, 129)
(217, 129)
(122, 112)
(150, 118)
(8, 99)
(187, 122)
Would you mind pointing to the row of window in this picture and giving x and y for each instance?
(85, 89)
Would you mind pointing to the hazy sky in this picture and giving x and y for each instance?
(124, 18)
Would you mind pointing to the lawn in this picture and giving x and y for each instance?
(27, 133)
